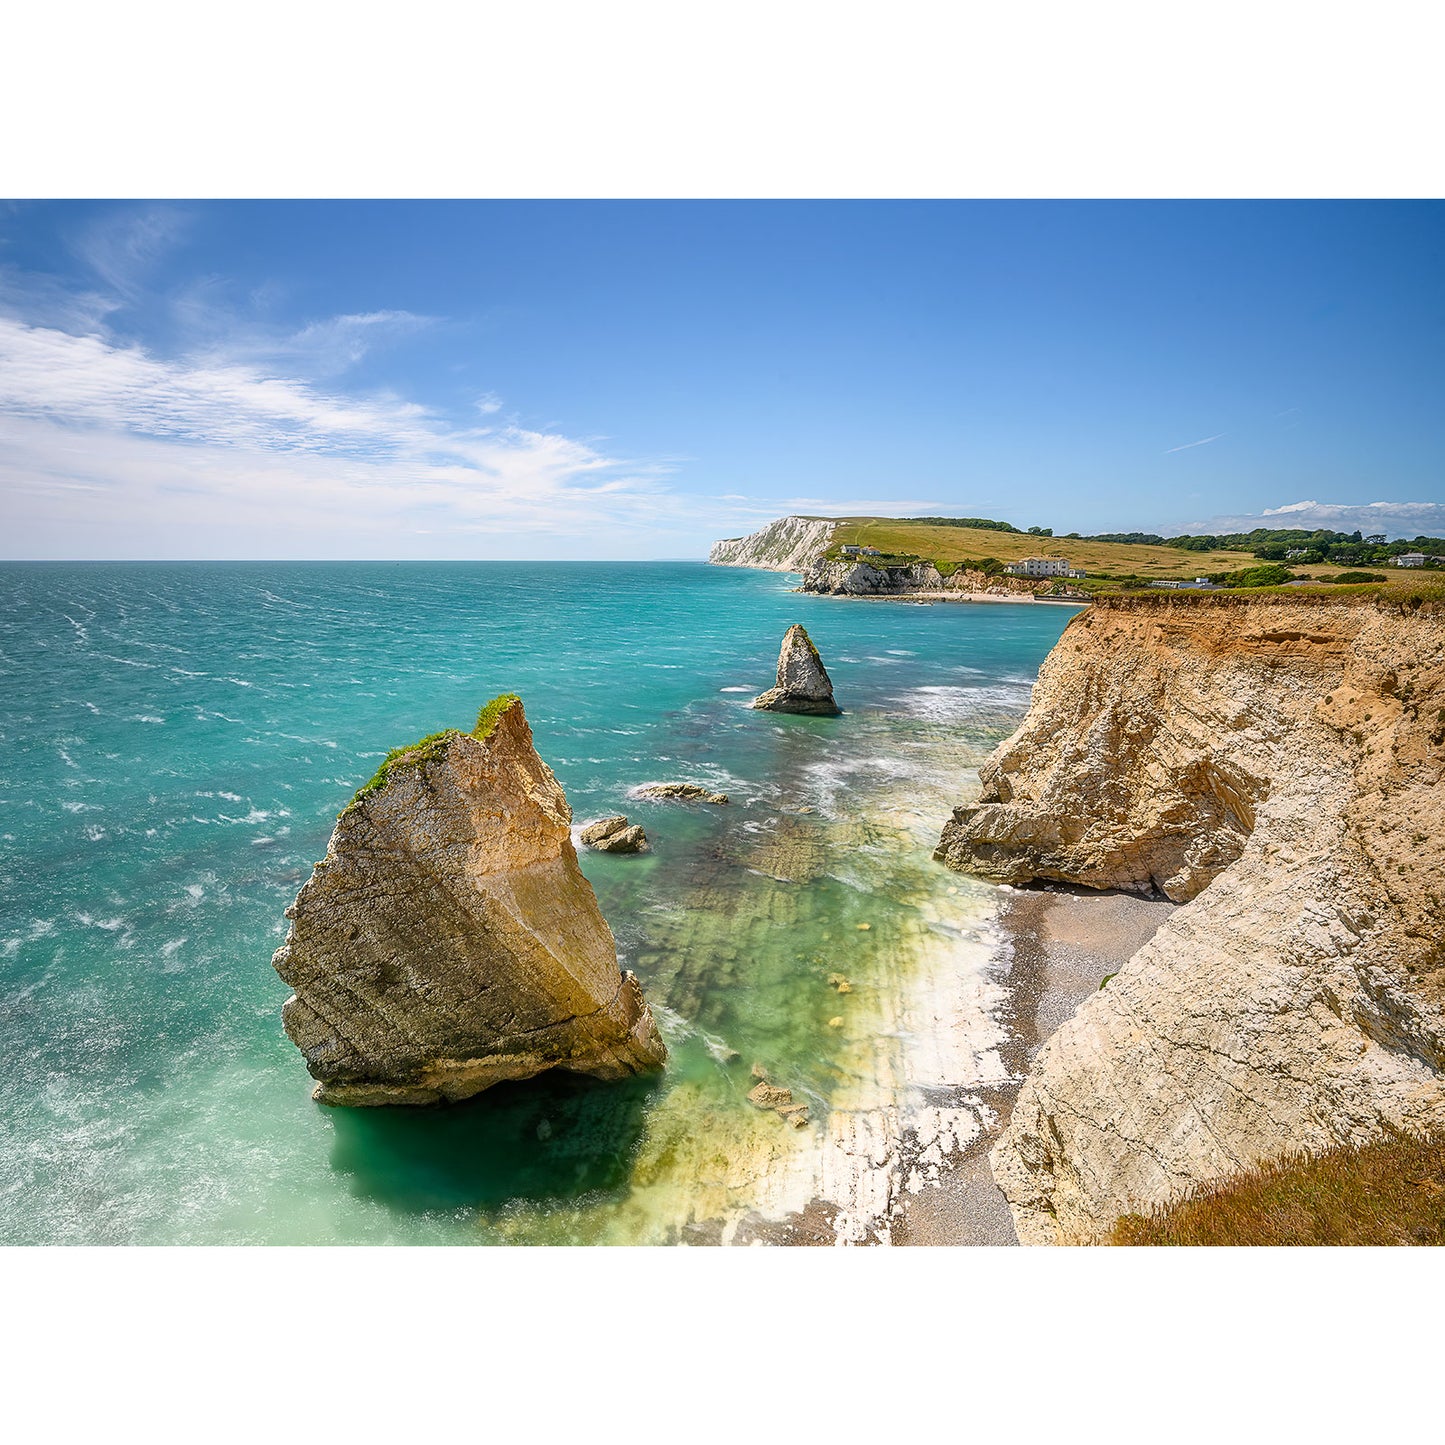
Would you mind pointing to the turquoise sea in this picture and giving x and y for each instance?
(176, 740)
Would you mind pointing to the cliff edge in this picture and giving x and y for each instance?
(791, 544)
(1275, 766)
(448, 940)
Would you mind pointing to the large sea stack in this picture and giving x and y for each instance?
(449, 941)
(803, 682)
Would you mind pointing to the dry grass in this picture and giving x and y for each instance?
(955, 544)
(1100, 559)
(1390, 1192)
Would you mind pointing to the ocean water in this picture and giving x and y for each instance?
(176, 740)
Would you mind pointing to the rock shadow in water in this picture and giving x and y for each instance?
(556, 1137)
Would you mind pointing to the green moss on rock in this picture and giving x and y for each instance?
(422, 751)
(431, 747)
(491, 715)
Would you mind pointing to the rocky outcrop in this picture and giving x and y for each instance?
(846, 577)
(1275, 765)
(773, 1097)
(788, 545)
(614, 835)
(448, 940)
(803, 684)
(680, 793)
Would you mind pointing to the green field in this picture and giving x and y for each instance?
(1109, 564)
(958, 544)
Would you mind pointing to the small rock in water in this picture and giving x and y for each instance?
(836, 1022)
(803, 684)
(759, 1072)
(681, 793)
(613, 835)
(780, 1102)
(864, 927)
(769, 1096)
(836, 980)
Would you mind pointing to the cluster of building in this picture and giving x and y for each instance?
(1417, 559)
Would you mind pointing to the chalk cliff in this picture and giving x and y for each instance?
(448, 940)
(846, 577)
(1275, 766)
(788, 545)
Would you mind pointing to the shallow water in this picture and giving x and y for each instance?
(175, 742)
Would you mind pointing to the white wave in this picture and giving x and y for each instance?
(948, 703)
(734, 689)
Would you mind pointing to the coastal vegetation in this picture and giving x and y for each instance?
(432, 746)
(1388, 1192)
(1122, 560)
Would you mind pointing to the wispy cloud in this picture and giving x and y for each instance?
(122, 248)
(1202, 442)
(210, 456)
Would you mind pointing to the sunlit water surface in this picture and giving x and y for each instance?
(176, 740)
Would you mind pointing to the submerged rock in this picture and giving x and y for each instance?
(803, 682)
(613, 835)
(449, 941)
(767, 1095)
(681, 792)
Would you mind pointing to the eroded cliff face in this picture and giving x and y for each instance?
(448, 940)
(1275, 766)
(844, 577)
(791, 544)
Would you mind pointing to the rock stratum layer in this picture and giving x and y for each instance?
(844, 577)
(449, 941)
(1274, 766)
(791, 544)
(803, 684)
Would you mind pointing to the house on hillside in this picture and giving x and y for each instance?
(849, 550)
(1041, 567)
(1410, 559)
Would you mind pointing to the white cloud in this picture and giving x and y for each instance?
(488, 403)
(122, 247)
(1394, 519)
(1202, 442)
(221, 459)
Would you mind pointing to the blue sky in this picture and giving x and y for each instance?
(550, 379)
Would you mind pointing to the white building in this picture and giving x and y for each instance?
(1041, 567)
(1410, 559)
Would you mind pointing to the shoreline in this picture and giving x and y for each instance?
(1055, 947)
(1026, 598)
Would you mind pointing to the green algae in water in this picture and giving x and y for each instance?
(153, 843)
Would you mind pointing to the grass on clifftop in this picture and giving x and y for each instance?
(1390, 1192)
(433, 746)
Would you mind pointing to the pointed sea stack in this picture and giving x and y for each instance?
(449, 941)
(803, 682)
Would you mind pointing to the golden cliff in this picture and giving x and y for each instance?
(449, 941)
(1275, 766)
